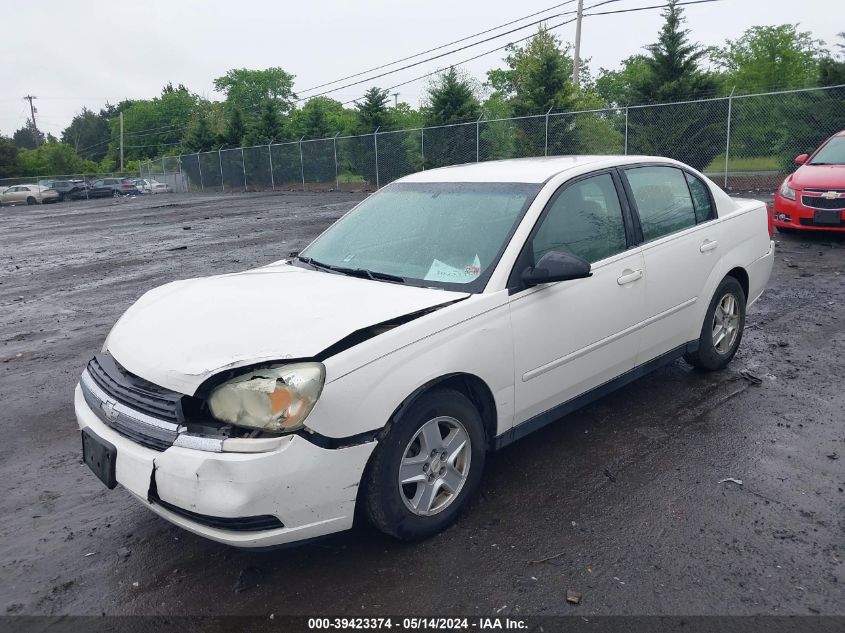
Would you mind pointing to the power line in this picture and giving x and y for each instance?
(396, 70)
(437, 48)
(556, 26)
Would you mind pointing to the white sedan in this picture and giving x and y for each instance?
(446, 316)
(151, 186)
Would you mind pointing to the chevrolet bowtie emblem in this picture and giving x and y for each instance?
(830, 195)
(109, 409)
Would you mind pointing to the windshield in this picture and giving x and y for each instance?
(444, 235)
(831, 153)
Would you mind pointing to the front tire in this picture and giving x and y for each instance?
(721, 333)
(426, 467)
(115, 194)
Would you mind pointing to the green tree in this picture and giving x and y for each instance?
(28, 137)
(770, 57)
(235, 129)
(268, 128)
(248, 89)
(616, 87)
(8, 158)
(538, 77)
(693, 133)
(372, 111)
(90, 132)
(450, 99)
(199, 136)
(53, 159)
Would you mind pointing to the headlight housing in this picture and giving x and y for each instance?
(786, 191)
(275, 399)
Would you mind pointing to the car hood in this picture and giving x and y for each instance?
(180, 334)
(819, 177)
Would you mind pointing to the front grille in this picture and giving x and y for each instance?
(145, 413)
(822, 225)
(236, 524)
(823, 203)
(137, 393)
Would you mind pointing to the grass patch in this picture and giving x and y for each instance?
(745, 163)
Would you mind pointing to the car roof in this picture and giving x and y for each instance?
(528, 170)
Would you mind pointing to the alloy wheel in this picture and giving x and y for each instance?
(434, 466)
(726, 324)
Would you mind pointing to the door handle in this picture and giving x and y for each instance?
(708, 245)
(629, 276)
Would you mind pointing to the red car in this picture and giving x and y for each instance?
(813, 197)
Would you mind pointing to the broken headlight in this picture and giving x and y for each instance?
(276, 399)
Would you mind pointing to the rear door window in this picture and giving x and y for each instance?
(663, 200)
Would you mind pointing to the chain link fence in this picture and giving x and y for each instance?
(743, 142)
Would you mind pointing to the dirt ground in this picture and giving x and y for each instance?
(621, 502)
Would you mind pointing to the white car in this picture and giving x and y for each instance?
(447, 315)
(151, 186)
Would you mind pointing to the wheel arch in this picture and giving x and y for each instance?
(741, 275)
(470, 385)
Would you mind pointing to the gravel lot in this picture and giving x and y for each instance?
(621, 502)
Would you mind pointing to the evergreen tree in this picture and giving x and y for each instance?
(451, 99)
(28, 137)
(199, 138)
(694, 133)
(372, 111)
(235, 128)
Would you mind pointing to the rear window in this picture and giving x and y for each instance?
(663, 200)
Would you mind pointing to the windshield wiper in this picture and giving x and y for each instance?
(353, 272)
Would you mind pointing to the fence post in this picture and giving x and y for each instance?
(243, 166)
(478, 137)
(626, 130)
(199, 167)
(375, 144)
(163, 167)
(220, 160)
(422, 146)
(728, 139)
(336, 176)
(272, 178)
(301, 164)
(546, 144)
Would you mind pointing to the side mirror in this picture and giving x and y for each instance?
(556, 266)
(801, 159)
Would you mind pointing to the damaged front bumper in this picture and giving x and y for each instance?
(232, 498)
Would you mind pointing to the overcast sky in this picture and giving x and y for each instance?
(75, 54)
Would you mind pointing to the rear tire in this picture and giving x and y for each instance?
(426, 467)
(115, 194)
(721, 333)
(30, 200)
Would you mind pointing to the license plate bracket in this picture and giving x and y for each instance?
(101, 457)
(829, 217)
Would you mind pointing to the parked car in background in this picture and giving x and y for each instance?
(28, 194)
(449, 314)
(70, 189)
(115, 187)
(151, 186)
(812, 198)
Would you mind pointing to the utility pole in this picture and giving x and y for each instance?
(395, 99)
(576, 58)
(121, 141)
(32, 111)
